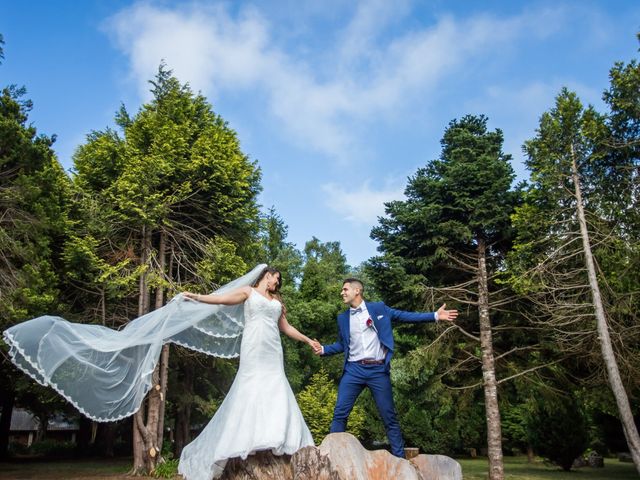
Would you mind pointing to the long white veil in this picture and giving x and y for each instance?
(106, 373)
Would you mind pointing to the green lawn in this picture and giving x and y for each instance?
(517, 468)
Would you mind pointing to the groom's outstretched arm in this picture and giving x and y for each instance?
(441, 315)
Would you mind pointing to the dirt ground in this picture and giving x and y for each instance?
(103, 469)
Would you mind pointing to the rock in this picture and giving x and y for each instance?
(579, 462)
(625, 457)
(352, 462)
(595, 460)
(341, 457)
(437, 467)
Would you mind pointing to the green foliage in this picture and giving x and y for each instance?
(220, 262)
(34, 195)
(166, 469)
(312, 308)
(547, 262)
(276, 251)
(324, 270)
(171, 173)
(316, 403)
(53, 448)
(433, 417)
(558, 432)
(451, 203)
(455, 204)
(34, 199)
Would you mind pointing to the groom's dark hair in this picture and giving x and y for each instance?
(358, 283)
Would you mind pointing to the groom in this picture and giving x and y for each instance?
(366, 338)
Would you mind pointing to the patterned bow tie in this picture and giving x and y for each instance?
(355, 311)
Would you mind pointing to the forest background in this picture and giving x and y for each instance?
(165, 200)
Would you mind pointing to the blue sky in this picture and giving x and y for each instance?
(338, 101)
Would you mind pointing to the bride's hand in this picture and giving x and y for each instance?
(191, 296)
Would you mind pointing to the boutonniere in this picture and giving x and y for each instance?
(371, 325)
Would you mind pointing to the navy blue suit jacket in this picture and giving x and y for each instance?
(382, 317)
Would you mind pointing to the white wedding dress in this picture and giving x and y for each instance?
(260, 411)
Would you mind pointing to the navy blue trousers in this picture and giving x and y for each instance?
(354, 379)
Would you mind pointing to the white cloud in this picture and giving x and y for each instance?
(362, 205)
(369, 78)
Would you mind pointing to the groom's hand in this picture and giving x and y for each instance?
(446, 315)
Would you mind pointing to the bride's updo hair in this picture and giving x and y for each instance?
(272, 271)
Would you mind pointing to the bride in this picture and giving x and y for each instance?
(107, 373)
(260, 411)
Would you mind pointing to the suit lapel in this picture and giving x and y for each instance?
(373, 314)
(344, 326)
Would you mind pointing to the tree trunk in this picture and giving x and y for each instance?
(164, 378)
(530, 454)
(183, 414)
(140, 433)
(84, 435)
(608, 355)
(106, 436)
(494, 431)
(8, 399)
(164, 356)
(43, 424)
(139, 465)
(149, 436)
(103, 305)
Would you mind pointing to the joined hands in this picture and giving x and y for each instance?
(316, 346)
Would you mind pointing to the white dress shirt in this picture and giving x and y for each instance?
(364, 343)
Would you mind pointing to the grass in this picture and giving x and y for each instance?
(517, 468)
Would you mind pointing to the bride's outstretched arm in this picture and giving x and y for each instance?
(230, 298)
(291, 331)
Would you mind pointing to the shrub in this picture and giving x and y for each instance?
(166, 469)
(53, 448)
(16, 448)
(558, 431)
(317, 401)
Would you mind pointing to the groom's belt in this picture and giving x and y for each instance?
(369, 362)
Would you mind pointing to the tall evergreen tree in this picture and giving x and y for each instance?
(456, 217)
(564, 215)
(34, 198)
(175, 201)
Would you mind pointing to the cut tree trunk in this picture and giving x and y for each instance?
(608, 355)
(494, 430)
